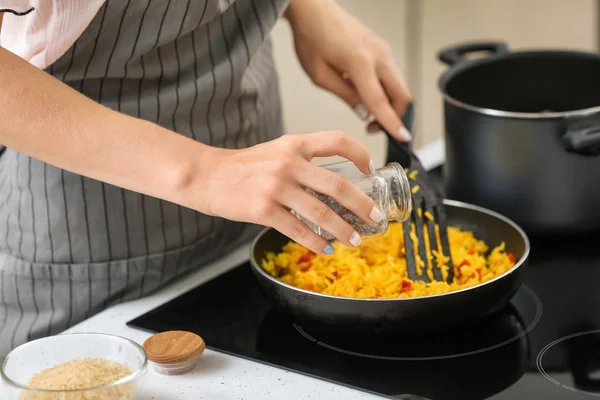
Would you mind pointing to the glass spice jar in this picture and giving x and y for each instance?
(389, 189)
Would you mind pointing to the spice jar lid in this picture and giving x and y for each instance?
(174, 347)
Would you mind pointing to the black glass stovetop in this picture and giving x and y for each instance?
(544, 344)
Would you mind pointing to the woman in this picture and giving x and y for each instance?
(143, 139)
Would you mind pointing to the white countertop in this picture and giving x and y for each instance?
(217, 375)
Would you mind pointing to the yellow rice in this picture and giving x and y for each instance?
(377, 268)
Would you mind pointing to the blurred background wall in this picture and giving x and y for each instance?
(416, 30)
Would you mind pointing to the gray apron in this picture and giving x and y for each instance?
(71, 246)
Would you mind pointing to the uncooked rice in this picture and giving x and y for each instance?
(81, 373)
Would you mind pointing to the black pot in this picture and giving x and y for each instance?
(522, 133)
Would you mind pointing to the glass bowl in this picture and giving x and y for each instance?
(32, 357)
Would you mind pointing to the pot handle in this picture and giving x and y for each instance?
(583, 137)
(456, 54)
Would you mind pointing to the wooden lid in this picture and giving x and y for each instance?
(174, 347)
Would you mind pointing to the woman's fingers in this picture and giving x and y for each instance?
(290, 226)
(331, 80)
(322, 213)
(342, 190)
(336, 143)
(394, 87)
(375, 99)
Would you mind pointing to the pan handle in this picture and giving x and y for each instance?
(456, 54)
(583, 135)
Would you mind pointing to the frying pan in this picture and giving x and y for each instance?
(334, 314)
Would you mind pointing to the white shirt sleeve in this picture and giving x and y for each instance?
(17, 7)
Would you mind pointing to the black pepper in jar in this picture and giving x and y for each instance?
(362, 227)
(390, 191)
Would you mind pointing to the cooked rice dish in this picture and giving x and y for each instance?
(377, 268)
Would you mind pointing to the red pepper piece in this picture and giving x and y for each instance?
(406, 285)
(511, 257)
(306, 257)
(305, 261)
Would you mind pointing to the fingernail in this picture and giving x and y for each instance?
(404, 133)
(362, 112)
(376, 215)
(372, 167)
(328, 249)
(355, 239)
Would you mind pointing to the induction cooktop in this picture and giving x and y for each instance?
(545, 344)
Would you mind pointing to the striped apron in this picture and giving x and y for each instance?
(71, 246)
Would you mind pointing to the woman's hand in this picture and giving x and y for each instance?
(263, 183)
(344, 57)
